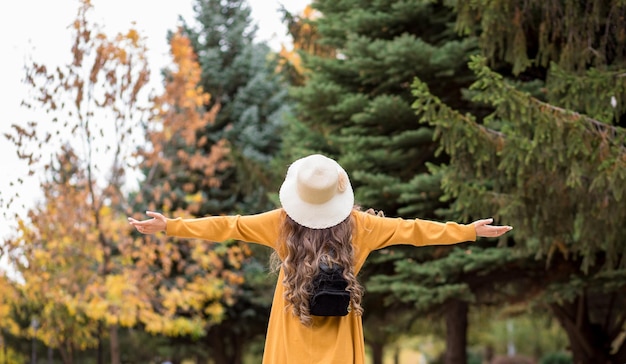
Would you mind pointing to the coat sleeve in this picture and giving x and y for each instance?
(261, 228)
(379, 232)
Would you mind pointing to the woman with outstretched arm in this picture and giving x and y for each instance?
(321, 241)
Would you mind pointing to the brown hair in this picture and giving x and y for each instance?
(304, 249)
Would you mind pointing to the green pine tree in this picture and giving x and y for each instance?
(357, 108)
(559, 177)
(508, 34)
(521, 41)
(240, 76)
(552, 162)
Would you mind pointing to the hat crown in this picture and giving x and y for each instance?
(317, 180)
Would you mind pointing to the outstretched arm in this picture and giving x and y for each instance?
(261, 228)
(378, 232)
(485, 230)
(150, 226)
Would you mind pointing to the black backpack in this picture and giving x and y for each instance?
(329, 297)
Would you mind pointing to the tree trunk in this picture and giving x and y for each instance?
(100, 353)
(377, 352)
(456, 332)
(589, 343)
(225, 349)
(620, 355)
(3, 344)
(115, 345)
(67, 352)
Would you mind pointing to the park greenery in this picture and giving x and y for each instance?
(444, 110)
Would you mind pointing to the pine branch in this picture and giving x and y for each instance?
(599, 126)
(493, 84)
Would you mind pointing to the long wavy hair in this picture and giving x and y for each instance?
(305, 250)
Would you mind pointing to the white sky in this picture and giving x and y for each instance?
(39, 29)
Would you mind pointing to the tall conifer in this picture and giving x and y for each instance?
(551, 165)
(358, 98)
(239, 73)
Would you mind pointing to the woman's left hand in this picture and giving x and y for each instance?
(485, 230)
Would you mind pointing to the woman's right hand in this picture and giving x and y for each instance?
(486, 230)
(150, 226)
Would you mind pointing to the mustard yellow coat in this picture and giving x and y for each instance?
(330, 340)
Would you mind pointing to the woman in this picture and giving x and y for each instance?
(317, 227)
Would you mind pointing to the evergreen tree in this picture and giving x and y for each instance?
(552, 163)
(356, 102)
(559, 177)
(461, 276)
(521, 41)
(240, 76)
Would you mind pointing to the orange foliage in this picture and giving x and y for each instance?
(306, 38)
(178, 121)
(195, 277)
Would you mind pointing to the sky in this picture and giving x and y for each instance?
(39, 30)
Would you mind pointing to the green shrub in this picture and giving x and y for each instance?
(556, 358)
(474, 358)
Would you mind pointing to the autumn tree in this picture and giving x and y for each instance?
(80, 150)
(56, 261)
(182, 163)
(240, 75)
(173, 131)
(9, 323)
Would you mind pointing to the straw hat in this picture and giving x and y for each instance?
(316, 192)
